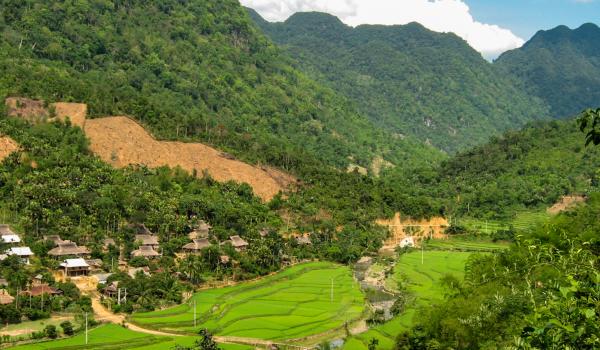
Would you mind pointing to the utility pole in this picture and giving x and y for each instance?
(86, 328)
(194, 313)
(119, 296)
(331, 290)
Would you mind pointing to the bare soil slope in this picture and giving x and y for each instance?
(120, 141)
(7, 146)
(401, 228)
(565, 203)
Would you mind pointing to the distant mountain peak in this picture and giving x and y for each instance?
(315, 20)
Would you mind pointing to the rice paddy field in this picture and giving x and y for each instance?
(465, 245)
(523, 220)
(422, 277)
(293, 304)
(115, 337)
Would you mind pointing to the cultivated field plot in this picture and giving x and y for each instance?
(523, 220)
(289, 305)
(457, 244)
(423, 281)
(115, 337)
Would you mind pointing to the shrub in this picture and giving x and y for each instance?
(50, 331)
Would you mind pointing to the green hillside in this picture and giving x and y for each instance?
(190, 70)
(561, 66)
(408, 79)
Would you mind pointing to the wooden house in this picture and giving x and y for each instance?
(75, 267)
(196, 246)
(146, 251)
(5, 297)
(238, 243)
(68, 249)
(22, 252)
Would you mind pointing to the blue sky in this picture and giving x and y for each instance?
(526, 17)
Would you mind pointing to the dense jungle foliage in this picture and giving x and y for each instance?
(543, 293)
(408, 79)
(190, 70)
(561, 66)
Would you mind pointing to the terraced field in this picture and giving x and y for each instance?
(292, 304)
(523, 220)
(115, 337)
(423, 281)
(457, 244)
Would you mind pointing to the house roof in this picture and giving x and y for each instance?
(68, 248)
(71, 263)
(112, 288)
(147, 239)
(5, 297)
(42, 289)
(102, 277)
(20, 251)
(238, 242)
(54, 238)
(305, 240)
(94, 262)
(109, 241)
(224, 259)
(145, 251)
(11, 238)
(140, 229)
(197, 244)
(6, 230)
(134, 270)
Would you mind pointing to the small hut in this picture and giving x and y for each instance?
(196, 246)
(8, 236)
(36, 291)
(145, 251)
(238, 243)
(112, 290)
(54, 239)
(147, 240)
(5, 297)
(75, 267)
(22, 252)
(224, 259)
(68, 248)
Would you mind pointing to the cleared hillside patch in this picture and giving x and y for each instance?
(292, 304)
(7, 146)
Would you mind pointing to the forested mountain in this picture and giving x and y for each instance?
(408, 79)
(519, 170)
(560, 66)
(190, 70)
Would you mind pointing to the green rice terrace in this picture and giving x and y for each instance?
(293, 304)
(420, 273)
(115, 337)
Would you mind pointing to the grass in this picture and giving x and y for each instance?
(292, 304)
(465, 245)
(36, 326)
(420, 279)
(115, 337)
(523, 220)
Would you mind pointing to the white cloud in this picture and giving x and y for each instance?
(438, 15)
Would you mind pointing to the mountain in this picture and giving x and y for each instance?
(408, 79)
(191, 71)
(561, 66)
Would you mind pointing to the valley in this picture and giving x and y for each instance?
(187, 175)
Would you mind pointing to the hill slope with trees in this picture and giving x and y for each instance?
(408, 79)
(561, 66)
(190, 70)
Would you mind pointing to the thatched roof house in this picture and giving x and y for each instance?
(147, 240)
(54, 239)
(238, 243)
(68, 248)
(196, 246)
(224, 259)
(108, 242)
(36, 291)
(6, 230)
(145, 251)
(202, 230)
(5, 297)
(112, 289)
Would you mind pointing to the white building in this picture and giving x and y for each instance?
(23, 252)
(407, 242)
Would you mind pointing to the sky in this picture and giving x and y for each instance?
(489, 26)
